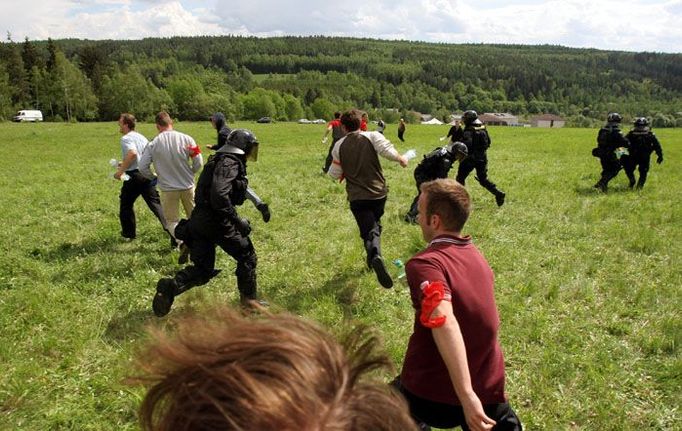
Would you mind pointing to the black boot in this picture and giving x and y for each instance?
(499, 198)
(381, 272)
(166, 289)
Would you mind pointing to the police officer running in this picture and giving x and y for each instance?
(610, 140)
(475, 136)
(435, 165)
(221, 187)
(642, 143)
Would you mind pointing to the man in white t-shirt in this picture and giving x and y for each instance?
(133, 145)
(176, 158)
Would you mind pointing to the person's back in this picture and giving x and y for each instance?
(134, 140)
(172, 153)
(361, 167)
(477, 140)
(436, 164)
(642, 142)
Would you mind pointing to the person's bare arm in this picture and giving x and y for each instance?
(450, 343)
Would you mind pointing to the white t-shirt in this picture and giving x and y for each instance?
(135, 142)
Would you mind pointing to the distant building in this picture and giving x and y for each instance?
(499, 119)
(547, 120)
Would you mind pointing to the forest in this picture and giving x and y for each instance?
(287, 78)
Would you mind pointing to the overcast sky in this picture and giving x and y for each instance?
(628, 25)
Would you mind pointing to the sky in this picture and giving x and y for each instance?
(624, 25)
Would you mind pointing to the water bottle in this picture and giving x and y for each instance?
(114, 164)
(410, 154)
(401, 269)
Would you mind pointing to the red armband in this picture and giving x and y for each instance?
(194, 151)
(432, 295)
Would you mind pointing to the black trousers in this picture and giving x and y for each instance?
(138, 185)
(328, 160)
(448, 416)
(202, 237)
(367, 215)
(643, 161)
(481, 166)
(610, 166)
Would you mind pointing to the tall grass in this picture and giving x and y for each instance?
(588, 285)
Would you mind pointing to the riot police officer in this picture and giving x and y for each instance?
(436, 164)
(475, 136)
(609, 140)
(220, 189)
(642, 143)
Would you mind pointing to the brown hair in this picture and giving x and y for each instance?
(163, 119)
(128, 120)
(450, 200)
(351, 120)
(224, 371)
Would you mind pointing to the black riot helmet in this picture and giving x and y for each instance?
(614, 117)
(469, 117)
(458, 149)
(641, 123)
(242, 141)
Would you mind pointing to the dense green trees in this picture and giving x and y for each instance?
(292, 77)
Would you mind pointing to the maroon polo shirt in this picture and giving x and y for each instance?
(467, 277)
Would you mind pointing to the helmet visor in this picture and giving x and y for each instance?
(253, 154)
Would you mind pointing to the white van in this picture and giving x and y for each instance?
(28, 115)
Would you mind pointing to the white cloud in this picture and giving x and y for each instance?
(633, 25)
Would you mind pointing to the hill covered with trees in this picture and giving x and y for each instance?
(292, 77)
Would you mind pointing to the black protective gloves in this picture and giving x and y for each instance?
(264, 211)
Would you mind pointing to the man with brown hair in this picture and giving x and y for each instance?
(356, 160)
(453, 373)
(133, 145)
(223, 371)
(176, 159)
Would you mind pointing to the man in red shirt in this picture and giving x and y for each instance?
(456, 323)
(337, 132)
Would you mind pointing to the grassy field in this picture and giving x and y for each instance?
(588, 285)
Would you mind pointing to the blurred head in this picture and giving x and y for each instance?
(614, 117)
(458, 149)
(241, 141)
(217, 120)
(163, 121)
(224, 371)
(351, 120)
(337, 115)
(444, 207)
(468, 117)
(641, 124)
(126, 122)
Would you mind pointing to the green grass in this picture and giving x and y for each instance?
(588, 285)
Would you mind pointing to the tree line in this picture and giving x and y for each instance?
(288, 78)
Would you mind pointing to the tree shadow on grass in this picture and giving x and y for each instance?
(343, 287)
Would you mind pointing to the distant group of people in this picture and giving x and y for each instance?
(629, 152)
(282, 372)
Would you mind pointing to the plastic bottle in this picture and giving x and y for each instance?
(114, 164)
(410, 154)
(401, 269)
